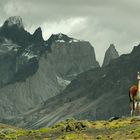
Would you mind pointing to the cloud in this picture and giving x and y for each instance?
(66, 26)
(99, 21)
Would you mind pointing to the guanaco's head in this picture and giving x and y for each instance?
(138, 76)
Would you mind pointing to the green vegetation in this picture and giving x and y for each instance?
(71, 129)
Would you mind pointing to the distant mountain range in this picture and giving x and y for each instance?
(33, 70)
(94, 95)
(42, 82)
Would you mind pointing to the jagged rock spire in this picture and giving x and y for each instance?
(110, 54)
(37, 35)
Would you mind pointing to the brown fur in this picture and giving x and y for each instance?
(133, 92)
(133, 99)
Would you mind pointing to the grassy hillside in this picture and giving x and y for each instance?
(120, 129)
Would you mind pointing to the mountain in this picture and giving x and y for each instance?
(94, 95)
(18, 50)
(33, 70)
(110, 54)
(76, 56)
(15, 25)
(14, 21)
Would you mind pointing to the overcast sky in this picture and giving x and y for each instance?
(101, 22)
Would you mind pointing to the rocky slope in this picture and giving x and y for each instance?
(33, 70)
(96, 94)
(110, 54)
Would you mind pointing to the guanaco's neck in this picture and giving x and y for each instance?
(139, 86)
(138, 77)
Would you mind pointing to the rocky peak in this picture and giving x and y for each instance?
(14, 20)
(13, 29)
(62, 38)
(37, 35)
(110, 54)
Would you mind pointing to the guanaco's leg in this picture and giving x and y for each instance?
(133, 106)
(138, 107)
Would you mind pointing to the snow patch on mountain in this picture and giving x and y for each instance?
(62, 82)
(29, 55)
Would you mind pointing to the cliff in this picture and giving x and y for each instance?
(110, 54)
(33, 70)
(97, 94)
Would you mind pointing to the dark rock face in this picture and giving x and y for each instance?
(13, 29)
(30, 73)
(96, 94)
(76, 56)
(15, 25)
(8, 52)
(110, 54)
(23, 48)
(38, 35)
